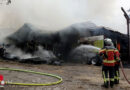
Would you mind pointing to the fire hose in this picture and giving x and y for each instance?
(122, 69)
(33, 84)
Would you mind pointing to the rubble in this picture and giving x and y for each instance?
(62, 42)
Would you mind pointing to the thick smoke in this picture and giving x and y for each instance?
(57, 14)
(61, 43)
(18, 52)
(40, 56)
(83, 53)
(129, 10)
(129, 13)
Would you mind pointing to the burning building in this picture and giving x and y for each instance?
(64, 43)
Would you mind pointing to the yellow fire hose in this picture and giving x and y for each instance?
(33, 84)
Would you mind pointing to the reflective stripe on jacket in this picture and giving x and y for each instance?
(108, 57)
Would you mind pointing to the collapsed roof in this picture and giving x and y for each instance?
(63, 41)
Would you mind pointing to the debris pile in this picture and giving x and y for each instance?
(63, 44)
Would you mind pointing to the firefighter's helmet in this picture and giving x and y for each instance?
(108, 42)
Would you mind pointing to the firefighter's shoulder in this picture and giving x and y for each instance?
(102, 50)
(116, 50)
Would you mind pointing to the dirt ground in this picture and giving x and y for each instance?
(75, 77)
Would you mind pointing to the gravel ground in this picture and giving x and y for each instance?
(75, 77)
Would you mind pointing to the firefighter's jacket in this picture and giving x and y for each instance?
(117, 57)
(110, 55)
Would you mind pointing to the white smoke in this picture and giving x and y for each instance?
(44, 54)
(41, 53)
(57, 14)
(83, 53)
(18, 52)
(129, 12)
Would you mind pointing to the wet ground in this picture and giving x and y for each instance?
(75, 77)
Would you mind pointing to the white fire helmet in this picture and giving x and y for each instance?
(108, 42)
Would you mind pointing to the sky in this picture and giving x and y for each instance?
(58, 14)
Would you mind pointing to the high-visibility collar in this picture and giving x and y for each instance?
(110, 50)
(116, 50)
(109, 61)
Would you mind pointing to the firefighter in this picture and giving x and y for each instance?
(117, 64)
(108, 55)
